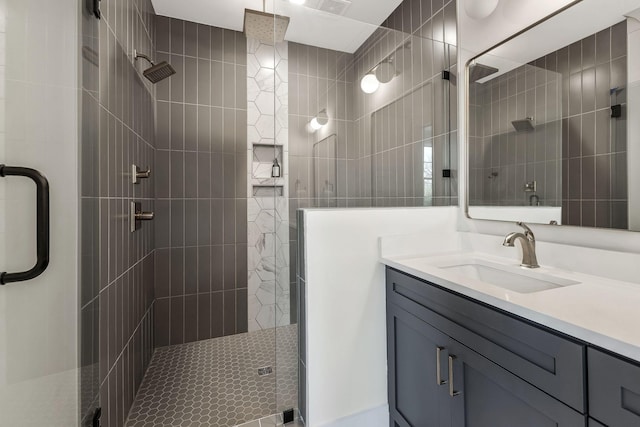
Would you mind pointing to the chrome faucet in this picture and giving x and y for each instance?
(528, 242)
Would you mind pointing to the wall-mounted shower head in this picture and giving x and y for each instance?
(156, 72)
(524, 125)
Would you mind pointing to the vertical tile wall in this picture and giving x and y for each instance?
(594, 145)
(117, 271)
(417, 110)
(201, 184)
(502, 160)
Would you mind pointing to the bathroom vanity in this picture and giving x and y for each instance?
(457, 360)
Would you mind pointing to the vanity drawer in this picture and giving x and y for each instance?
(614, 390)
(544, 359)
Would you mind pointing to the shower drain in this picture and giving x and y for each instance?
(265, 371)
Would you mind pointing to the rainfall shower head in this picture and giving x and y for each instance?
(264, 26)
(156, 72)
(524, 125)
(478, 72)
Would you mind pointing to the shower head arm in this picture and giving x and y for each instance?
(137, 55)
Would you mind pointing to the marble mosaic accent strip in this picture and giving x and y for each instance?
(267, 212)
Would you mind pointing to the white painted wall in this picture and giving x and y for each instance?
(346, 315)
(475, 37)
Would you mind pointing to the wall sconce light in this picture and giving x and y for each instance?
(369, 83)
(384, 71)
(319, 121)
(480, 9)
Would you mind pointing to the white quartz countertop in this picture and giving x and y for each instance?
(597, 310)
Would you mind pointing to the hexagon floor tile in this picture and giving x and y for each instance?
(216, 383)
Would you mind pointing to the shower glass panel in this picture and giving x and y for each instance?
(39, 318)
(344, 139)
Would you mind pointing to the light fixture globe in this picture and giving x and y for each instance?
(298, 1)
(319, 121)
(385, 72)
(314, 124)
(369, 83)
(322, 118)
(480, 9)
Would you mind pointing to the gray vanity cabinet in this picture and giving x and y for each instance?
(483, 394)
(417, 395)
(481, 383)
(614, 390)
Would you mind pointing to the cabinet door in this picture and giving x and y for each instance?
(416, 398)
(489, 396)
(614, 389)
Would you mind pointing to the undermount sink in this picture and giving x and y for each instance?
(515, 279)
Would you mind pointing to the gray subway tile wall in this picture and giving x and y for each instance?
(117, 267)
(413, 112)
(201, 260)
(370, 152)
(502, 159)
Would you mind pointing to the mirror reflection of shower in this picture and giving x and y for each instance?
(325, 167)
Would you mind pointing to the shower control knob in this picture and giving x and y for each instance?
(137, 174)
(136, 215)
(144, 216)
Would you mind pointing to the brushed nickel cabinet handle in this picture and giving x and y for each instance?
(452, 392)
(439, 367)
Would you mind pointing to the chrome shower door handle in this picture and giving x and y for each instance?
(42, 224)
(439, 379)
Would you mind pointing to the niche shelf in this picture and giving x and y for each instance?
(262, 183)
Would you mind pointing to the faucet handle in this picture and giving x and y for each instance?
(527, 231)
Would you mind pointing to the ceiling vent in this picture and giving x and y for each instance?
(335, 7)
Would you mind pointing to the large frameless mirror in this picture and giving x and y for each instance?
(550, 140)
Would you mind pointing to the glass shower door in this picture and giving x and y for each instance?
(39, 130)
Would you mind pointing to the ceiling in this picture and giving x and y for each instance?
(310, 26)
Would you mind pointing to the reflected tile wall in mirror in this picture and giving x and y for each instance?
(578, 157)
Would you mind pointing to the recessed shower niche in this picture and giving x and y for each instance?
(267, 174)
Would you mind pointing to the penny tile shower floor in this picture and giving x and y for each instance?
(216, 383)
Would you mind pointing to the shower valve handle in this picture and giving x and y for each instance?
(137, 174)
